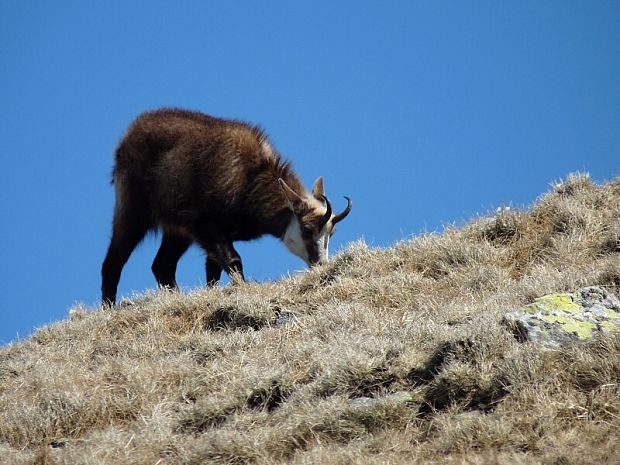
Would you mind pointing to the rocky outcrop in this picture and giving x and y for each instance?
(555, 320)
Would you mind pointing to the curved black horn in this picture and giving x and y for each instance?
(328, 214)
(343, 215)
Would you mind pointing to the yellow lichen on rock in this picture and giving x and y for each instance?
(563, 302)
(582, 329)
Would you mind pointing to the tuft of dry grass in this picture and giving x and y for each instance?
(382, 356)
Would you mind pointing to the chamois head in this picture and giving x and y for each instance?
(312, 223)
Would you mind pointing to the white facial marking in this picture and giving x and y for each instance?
(322, 245)
(293, 241)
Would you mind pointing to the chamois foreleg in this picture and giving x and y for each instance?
(164, 267)
(229, 259)
(214, 271)
(222, 256)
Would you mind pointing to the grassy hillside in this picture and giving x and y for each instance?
(383, 356)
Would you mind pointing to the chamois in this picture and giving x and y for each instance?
(211, 181)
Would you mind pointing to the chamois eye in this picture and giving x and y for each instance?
(307, 231)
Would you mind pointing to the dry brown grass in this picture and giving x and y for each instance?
(210, 377)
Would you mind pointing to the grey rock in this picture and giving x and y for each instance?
(555, 320)
(397, 398)
(285, 318)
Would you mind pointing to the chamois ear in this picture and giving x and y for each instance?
(295, 202)
(318, 191)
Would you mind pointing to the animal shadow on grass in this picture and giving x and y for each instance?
(444, 391)
(266, 396)
(229, 318)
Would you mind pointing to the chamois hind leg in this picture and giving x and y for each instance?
(173, 246)
(130, 227)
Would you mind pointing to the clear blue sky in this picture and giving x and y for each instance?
(425, 113)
